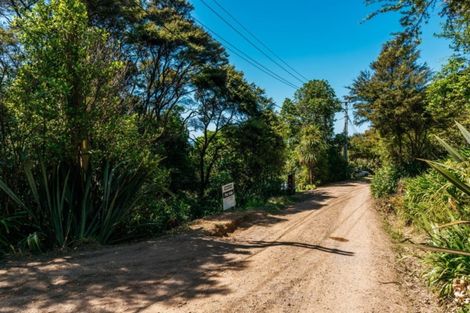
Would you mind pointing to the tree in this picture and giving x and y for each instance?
(313, 108)
(310, 149)
(392, 98)
(168, 51)
(314, 103)
(217, 97)
(364, 150)
(416, 12)
(448, 98)
(255, 153)
(67, 85)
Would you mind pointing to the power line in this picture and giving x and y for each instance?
(250, 41)
(241, 54)
(247, 58)
(258, 40)
(353, 127)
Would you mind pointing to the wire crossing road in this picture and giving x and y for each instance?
(326, 254)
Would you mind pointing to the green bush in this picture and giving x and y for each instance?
(426, 199)
(63, 208)
(158, 216)
(445, 267)
(442, 195)
(385, 181)
(430, 199)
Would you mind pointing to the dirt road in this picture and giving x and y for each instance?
(326, 254)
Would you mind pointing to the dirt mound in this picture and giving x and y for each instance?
(226, 223)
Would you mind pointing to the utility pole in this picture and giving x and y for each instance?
(345, 131)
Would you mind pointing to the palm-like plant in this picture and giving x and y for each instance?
(310, 148)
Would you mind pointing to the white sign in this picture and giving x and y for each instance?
(228, 196)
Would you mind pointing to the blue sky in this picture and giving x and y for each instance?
(320, 39)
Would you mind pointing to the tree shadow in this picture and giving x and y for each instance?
(133, 277)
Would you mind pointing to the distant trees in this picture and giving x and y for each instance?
(308, 120)
(314, 103)
(310, 149)
(365, 150)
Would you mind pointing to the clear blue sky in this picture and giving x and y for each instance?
(319, 38)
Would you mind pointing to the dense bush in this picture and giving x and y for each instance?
(106, 97)
(431, 197)
(385, 181)
(438, 202)
(61, 208)
(430, 200)
(445, 268)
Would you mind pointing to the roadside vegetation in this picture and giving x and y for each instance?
(122, 120)
(420, 156)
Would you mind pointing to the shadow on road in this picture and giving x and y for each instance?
(131, 277)
(267, 244)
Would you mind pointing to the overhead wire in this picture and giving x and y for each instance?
(241, 54)
(257, 39)
(247, 58)
(250, 41)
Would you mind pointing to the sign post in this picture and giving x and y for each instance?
(228, 196)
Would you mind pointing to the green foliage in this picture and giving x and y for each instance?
(392, 99)
(310, 148)
(443, 196)
(427, 198)
(315, 103)
(414, 13)
(54, 99)
(385, 181)
(308, 120)
(364, 151)
(446, 267)
(257, 155)
(158, 216)
(449, 99)
(63, 209)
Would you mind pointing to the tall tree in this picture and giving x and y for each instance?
(392, 98)
(67, 85)
(314, 103)
(309, 114)
(168, 50)
(218, 102)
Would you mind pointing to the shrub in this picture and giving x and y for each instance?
(158, 216)
(385, 181)
(445, 198)
(63, 208)
(426, 198)
(446, 267)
